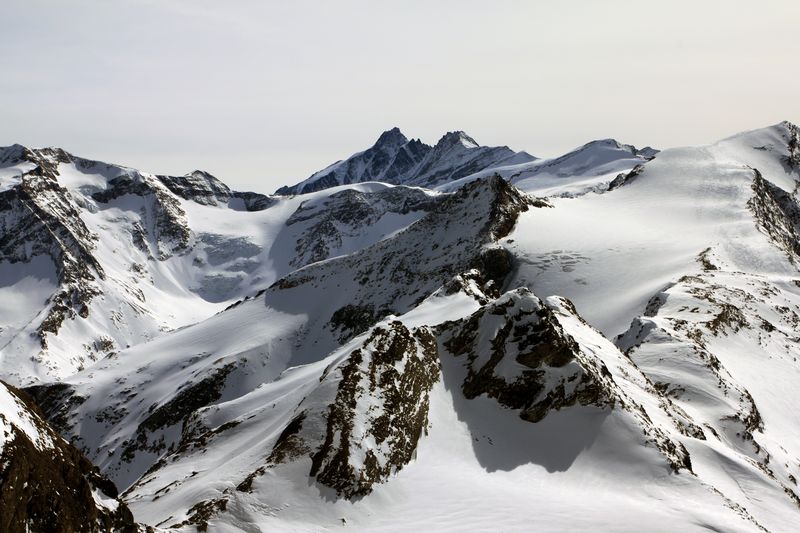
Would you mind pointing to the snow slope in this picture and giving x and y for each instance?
(589, 168)
(610, 253)
(98, 257)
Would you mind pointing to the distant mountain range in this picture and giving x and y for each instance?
(396, 160)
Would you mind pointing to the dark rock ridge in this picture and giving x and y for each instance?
(395, 274)
(793, 145)
(386, 383)
(396, 160)
(777, 214)
(47, 485)
(150, 438)
(625, 178)
(517, 350)
(391, 158)
(205, 189)
(380, 393)
(529, 363)
(165, 224)
(346, 213)
(56, 401)
(39, 217)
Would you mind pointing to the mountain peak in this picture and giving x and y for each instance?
(646, 152)
(392, 137)
(12, 153)
(452, 138)
(605, 142)
(201, 174)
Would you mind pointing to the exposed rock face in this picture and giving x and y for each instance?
(455, 156)
(165, 222)
(395, 274)
(351, 320)
(170, 427)
(390, 160)
(377, 394)
(394, 159)
(777, 214)
(625, 178)
(112, 234)
(793, 145)
(205, 189)
(57, 402)
(46, 484)
(345, 214)
(198, 186)
(538, 358)
(382, 398)
(39, 217)
(152, 436)
(519, 354)
(254, 201)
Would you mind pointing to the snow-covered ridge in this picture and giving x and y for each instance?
(457, 159)
(100, 257)
(588, 168)
(128, 449)
(390, 160)
(397, 160)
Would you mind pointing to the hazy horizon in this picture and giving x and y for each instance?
(263, 94)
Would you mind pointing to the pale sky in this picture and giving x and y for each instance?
(264, 93)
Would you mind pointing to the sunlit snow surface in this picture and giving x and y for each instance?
(609, 253)
(233, 253)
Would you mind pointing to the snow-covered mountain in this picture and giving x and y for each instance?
(604, 340)
(457, 159)
(589, 168)
(97, 257)
(396, 160)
